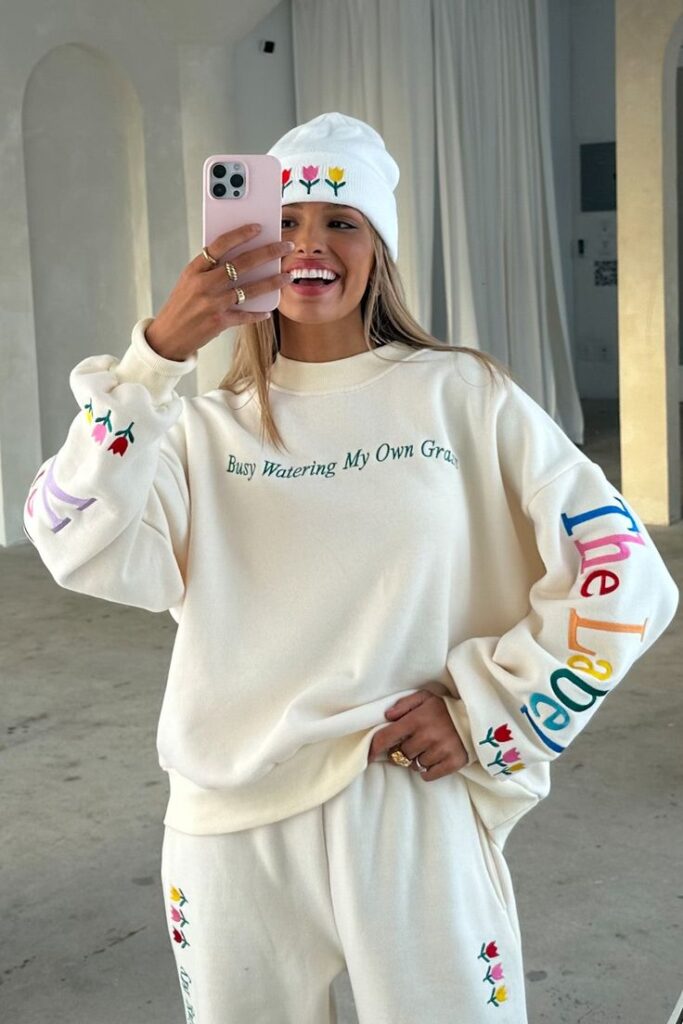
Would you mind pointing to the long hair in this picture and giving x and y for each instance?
(385, 319)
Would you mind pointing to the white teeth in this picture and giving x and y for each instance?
(313, 275)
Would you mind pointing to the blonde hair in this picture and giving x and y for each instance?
(385, 319)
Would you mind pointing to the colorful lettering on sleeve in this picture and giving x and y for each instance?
(573, 693)
(49, 483)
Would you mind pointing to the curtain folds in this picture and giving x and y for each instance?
(459, 90)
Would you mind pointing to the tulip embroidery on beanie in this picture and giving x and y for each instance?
(310, 177)
(103, 428)
(494, 973)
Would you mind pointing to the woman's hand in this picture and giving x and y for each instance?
(203, 301)
(421, 726)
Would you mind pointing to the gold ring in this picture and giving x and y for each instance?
(241, 297)
(398, 757)
(231, 271)
(207, 256)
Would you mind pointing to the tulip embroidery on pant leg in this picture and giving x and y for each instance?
(494, 973)
(179, 899)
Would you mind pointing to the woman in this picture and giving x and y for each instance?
(400, 591)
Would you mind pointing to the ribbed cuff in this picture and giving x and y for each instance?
(142, 365)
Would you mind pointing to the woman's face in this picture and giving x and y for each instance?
(326, 235)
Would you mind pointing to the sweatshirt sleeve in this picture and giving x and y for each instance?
(109, 512)
(605, 597)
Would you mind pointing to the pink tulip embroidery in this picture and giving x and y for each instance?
(310, 177)
(103, 425)
(498, 760)
(489, 951)
(178, 916)
(119, 445)
(496, 736)
(336, 174)
(286, 178)
(511, 755)
(180, 938)
(494, 974)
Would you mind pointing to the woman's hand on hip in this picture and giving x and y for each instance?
(422, 727)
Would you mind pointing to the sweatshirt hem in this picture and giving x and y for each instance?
(277, 795)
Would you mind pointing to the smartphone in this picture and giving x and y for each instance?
(239, 190)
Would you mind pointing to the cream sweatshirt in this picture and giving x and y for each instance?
(426, 529)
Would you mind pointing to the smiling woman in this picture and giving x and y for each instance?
(384, 636)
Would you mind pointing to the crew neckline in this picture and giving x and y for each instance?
(336, 374)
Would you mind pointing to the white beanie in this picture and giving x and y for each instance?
(338, 159)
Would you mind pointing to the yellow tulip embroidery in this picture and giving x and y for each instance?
(178, 896)
(334, 179)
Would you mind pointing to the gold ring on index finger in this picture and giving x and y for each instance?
(241, 297)
(231, 271)
(208, 257)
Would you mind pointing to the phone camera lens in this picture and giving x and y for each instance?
(236, 180)
(219, 171)
(219, 190)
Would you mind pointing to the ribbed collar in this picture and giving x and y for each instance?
(336, 374)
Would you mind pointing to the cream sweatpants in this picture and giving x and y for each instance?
(393, 877)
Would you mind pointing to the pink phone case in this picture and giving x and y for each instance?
(260, 203)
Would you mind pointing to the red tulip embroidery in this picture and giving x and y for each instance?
(489, 951)
(496, 736)
(180, 938)
(310, 177)
(118, 447)
(286, 178)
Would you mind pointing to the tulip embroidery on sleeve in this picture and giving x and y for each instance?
(103, 429)
(508, 761)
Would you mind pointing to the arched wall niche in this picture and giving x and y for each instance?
(87, 218)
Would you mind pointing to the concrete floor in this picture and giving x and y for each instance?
(597, 866)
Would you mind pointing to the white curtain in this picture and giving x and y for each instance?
(459, 90)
